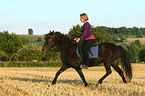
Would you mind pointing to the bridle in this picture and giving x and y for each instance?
(51, 40)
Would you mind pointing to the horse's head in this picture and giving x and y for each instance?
(58, 39)
(49, 42)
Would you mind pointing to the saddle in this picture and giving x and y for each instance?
(93, 52)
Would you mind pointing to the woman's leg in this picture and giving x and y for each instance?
(86, 47)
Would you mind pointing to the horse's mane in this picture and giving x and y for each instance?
(62, 38)
(67, 40)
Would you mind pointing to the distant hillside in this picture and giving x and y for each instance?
(33, 38)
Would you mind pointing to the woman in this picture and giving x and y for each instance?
(88, 38)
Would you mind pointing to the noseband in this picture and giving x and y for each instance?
(51, 40)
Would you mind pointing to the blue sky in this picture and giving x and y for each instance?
(61, 15)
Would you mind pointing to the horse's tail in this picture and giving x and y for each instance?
(125, 63)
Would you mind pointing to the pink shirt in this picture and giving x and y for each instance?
(91, 37)
(86, 31)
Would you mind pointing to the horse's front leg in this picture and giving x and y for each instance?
(63, 68)
(82, 76)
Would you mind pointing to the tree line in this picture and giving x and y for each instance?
(14, 48)
(123, 30)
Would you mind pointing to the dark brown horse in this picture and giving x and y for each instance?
(109, 55)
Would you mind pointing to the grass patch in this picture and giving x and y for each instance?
(32, 38)
(30, 64)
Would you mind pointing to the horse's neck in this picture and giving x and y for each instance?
(64, 47)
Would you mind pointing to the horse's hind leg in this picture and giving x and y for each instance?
(108, 72)
(120, 72)
(63, 68)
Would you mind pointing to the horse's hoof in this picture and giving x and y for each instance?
(86, 85)
(53, 83)
(125, 82)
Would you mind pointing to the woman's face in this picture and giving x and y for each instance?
(82, 19)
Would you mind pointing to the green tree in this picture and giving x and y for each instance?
(30, 52)
(24, 40)
(15, 56)
(139, 35)
(142, 55)
(135, 30)
(123, 30)
(138, 43)
(131, 48)
(75, 31)
(2, 55)
(30, 31)
(10, 43)
(142, 31)
(122, 38)
(99, 35)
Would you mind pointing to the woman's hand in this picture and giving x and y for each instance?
(77, 40)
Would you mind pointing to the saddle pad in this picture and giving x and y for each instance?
(94, 52)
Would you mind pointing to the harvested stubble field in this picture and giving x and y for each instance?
(37, 82)
(142, 40)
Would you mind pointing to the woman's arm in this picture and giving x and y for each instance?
(86, 26)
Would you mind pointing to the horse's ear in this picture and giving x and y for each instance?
(53, 31)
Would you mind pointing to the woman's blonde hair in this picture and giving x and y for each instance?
(84, 16)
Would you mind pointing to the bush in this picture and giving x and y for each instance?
(3, 55)
(131, 48)
(142, 55)
(30, 52)
(139, 35)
